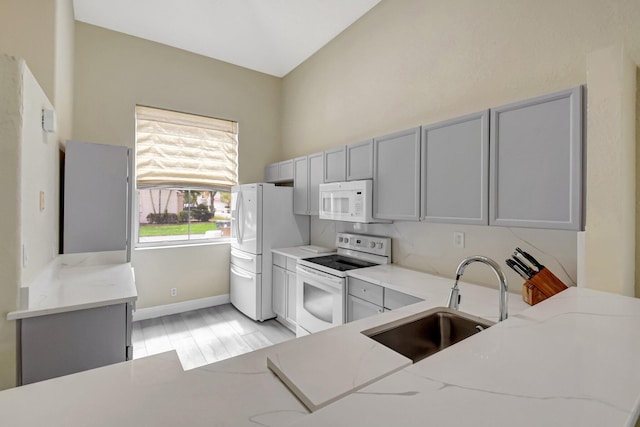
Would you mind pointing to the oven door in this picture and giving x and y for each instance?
(320, 299)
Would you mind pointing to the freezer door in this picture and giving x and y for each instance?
(246, 218)
(245, 292)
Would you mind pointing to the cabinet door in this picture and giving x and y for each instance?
(359, 309)
(335, 165)
(279, 291)
(316, 162)
(396, 176)
(291, 296)
(455, 170)
(300, 186)
(536, 162)
(360, 160)
(271, 172)
(96, 197)
(285, 170)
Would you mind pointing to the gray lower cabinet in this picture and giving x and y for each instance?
(396, 176)
(284, 290)
(537, 162)
(455, 170)
(65, 343)
(335, 165)
(365, 299)
(360, 160)
(308, 175)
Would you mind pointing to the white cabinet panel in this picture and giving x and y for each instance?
(291, 296)
(536, 162)
(360, 160)
(279, 172)
(396, 180)
(455, 170)
(335, 165)
(279, 291)
(271, 172)
(301, 186)
(316, 162)
(359, 309)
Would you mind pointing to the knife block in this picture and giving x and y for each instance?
(541, 286)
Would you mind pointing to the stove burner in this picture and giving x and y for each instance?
(340, 263)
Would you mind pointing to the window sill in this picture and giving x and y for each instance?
(181, 244)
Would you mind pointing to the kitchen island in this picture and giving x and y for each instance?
(569, 361)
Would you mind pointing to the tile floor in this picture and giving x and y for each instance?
(206, 335)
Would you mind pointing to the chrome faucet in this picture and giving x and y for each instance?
(454, 296)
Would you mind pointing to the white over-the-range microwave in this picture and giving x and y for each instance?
(347, 201)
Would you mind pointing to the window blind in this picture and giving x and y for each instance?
(178, 150)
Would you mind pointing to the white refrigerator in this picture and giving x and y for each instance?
(261, 219)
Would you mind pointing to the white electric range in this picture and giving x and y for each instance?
(321, 281)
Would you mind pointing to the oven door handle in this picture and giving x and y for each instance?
(319, 275)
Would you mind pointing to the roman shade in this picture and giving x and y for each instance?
(178, 150)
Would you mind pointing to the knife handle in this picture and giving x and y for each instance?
(531, 259)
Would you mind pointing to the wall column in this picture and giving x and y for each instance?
(611, 172)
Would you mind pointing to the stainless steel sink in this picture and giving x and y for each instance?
(426, 333)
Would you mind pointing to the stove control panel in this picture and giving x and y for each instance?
(377, 245)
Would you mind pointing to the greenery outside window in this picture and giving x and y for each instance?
(185, 168)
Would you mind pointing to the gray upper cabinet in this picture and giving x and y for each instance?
(335, 165)
(455, 170)
(360, 160)
(536, 162)
(316, 162)
(396, 176)
(90, 170)
(279, 172)
(308, 175)
(300, 186)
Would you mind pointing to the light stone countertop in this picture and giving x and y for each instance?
(298, 253)
(76, 282)
(568, 361)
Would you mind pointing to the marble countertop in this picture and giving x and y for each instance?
(75, 282)
(298, 253)
(569, 361)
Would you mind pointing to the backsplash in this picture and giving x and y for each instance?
(429, 247)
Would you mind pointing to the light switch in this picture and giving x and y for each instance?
(41, 201)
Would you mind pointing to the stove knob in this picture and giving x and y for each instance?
(379, 245)
(340, 239)
(346, 240)
(372, 245)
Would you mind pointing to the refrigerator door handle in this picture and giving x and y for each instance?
(237, 273)
(239, 212)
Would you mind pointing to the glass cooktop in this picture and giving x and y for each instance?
(340, 262)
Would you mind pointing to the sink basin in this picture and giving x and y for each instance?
(426, 333)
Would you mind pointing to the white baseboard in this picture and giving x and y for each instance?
(179, 307)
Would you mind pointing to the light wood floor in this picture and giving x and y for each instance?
(206, 335)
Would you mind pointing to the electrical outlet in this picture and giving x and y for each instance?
(174, 292)
(458, 239)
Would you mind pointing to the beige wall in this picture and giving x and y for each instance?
(42, 32)
(28, 165)
(411, 62)
(611, 197)
(113, 73)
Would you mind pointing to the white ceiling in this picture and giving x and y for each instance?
(271, 36)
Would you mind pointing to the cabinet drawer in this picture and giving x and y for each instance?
(365, 290)
(279, 260)
(394, 299)
(291, 264)
(246, 261)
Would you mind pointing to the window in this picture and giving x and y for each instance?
(185, 168)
